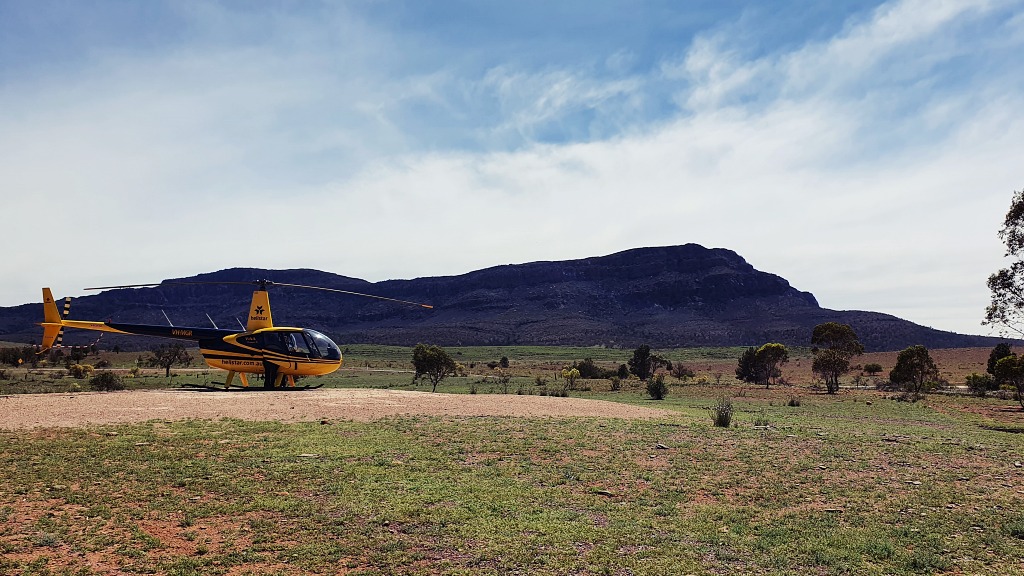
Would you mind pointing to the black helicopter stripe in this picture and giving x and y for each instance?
(290, 359)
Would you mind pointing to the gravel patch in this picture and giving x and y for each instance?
(24, 411)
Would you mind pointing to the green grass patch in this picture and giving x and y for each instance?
(835, 486)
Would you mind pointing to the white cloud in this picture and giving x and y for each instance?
(851, 167)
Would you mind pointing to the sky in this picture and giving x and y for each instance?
(865, 151)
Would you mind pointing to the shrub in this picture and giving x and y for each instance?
(504, 379)
(1015, 528)
(979, 384)
(3, 375)
(616, 383)
(721, 413)
(103, 364)
(106, 382)
(793, 401)
(656, 387)
(80, 371)
(591, 371)
(761, 420)
(682, 372)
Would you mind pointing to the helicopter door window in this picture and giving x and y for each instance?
(274, 342)
(296, 344)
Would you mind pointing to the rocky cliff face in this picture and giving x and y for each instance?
(667, 297)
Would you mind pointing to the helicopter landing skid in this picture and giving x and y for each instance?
(219, 387)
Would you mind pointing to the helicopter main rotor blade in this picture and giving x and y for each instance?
(265, 283)
(159, 284)
(352, 293)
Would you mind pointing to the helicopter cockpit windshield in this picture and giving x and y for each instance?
(322, 346)
(308, 343)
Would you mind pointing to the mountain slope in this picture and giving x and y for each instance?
(671, 296)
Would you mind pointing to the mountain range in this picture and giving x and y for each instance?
(673, 296)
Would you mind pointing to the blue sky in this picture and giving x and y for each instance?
(865, 151)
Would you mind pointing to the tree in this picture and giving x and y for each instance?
(433, 363)
(747, 369)
(681, 371)
(644, 363)
(762, 365)
(873, 368)
(833, 346)
(771, 357)
(1007, 285)
(914, 368)
(1002, 350)
(167, 355)
(1011, 371)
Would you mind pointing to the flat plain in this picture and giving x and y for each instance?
(857, 483)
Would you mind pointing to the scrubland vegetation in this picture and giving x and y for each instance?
(743, 479)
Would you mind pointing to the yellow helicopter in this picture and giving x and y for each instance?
(278, 353)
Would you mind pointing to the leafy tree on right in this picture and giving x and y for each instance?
(1007, 285)
(1001, 350)
(834, 345)
(1010, 370)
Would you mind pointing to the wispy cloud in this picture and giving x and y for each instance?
(869, 165)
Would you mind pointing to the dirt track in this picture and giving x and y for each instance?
(84, 409)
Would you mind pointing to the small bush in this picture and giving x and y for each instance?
(721, 413)
(656, 387)
(103, 364)
(761, 420)
(3, 375)
(616, 383)
(106, 382)
(1015, 528)
(793, 401)
(80, 371)
(980, 384)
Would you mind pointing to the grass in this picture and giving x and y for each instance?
(847, 484)
(836, 486)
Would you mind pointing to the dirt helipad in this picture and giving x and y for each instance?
(83, 409)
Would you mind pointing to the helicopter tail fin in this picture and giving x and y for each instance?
(53, 323)
(259, 311)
